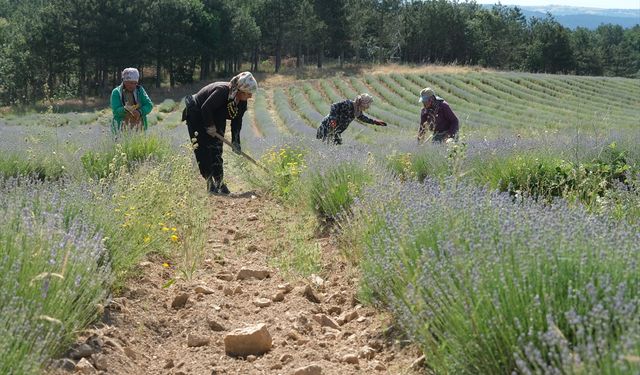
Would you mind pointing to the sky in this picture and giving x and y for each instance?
(608, 4)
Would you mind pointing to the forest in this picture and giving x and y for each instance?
(77, 48)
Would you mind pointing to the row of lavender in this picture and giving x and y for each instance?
(484, 276)
(78, 216)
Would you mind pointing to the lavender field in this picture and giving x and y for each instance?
(513, 251)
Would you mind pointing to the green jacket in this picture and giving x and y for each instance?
(117, 106)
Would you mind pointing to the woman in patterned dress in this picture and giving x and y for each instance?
(341, 115)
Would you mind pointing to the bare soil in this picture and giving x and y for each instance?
(144, 334)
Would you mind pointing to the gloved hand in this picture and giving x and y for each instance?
(380, 123)
(236, 147)
(333, 124)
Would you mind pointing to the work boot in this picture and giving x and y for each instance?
(212, 187)
(223, 189)
(219, 188)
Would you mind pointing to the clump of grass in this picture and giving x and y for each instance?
(293, 253)
(429, 161)
(544, 176)
(286, 165)
(334, 190)
(167, 106)
(151, 210)
(131, 150)
(38, 165)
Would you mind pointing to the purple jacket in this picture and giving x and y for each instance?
(442, 117)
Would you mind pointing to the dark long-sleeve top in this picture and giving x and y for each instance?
(216, 108)
(442, 117)
(344, 112)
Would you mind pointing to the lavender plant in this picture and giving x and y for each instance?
(489, 285)
(54, 271)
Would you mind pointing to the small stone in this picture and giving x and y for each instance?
(82, 351)
(100, 362)
(367, 352)
(302, 324)
(214, 325)
(334, 310)
(252, 217)
(325, 321)
(254, 340)
(225, 276)
(168, 364)
(292, 335)
(376, 344)
(310, 295)
(203, 290)
(286, 358)
(179, 301)
(275, 366)
(195, 341)
(378, 366)
(145, 264)
(278, 297)
(285, 288)
(65, 364)
(346, 317)
(85, 367)
(262, 302)
(251, 358)
(350, 358)
(338, 298)
(317, 281)
(308, 370)
(247, 273)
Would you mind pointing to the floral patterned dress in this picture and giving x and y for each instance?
(342, 113)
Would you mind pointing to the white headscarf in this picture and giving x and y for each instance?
(362, 100)
(242, 82)
(130, 74)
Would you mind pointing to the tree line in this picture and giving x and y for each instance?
(56, 48)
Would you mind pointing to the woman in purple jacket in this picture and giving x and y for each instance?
(436, 116)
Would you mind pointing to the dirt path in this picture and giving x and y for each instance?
(152, 332)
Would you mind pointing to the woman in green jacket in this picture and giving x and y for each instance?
(130, 103)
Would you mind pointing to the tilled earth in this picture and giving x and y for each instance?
(316, 324)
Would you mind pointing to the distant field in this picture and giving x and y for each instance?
(488, 104)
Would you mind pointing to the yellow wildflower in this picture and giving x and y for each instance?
(174, 238)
